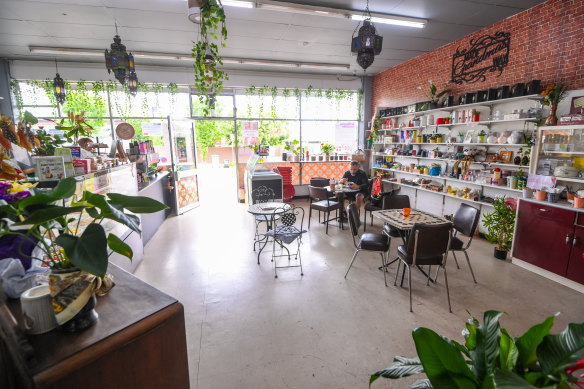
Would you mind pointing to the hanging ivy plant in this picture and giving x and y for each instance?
(98, 87)
(309, 91)
(157, 89)
(261, 93)
(208, 77)
(359, 102)
(286, 93)
(17, 93)
(143, 89)
(318, 93)
(172, 89)
(249, 92)
(274, 96)
(298, 95)
(35, 95)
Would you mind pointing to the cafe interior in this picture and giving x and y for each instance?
(296, 194)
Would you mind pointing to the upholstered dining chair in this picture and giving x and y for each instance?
(378, 243)
(320, 201)
(465, 221)
(428, 245)
(320, 182)
(395, 202)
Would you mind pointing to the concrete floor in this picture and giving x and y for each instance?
(246, 329)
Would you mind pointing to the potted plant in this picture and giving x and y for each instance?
(500, 224)
(552, 95)
(208, 76)
(491, 358)
(433, 95)
(76, 127)
(295, 150)
(461, 136)
(476, 115)
(439, 138)
(327, 149)
(481, 136)
(75, 255)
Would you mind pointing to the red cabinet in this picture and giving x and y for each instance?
(576, 264)
(544, 236)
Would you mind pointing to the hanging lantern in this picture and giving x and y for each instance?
(120, 62)
(367, 44)
(59, 85)
(133, 83)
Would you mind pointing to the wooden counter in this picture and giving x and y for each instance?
(138, 342)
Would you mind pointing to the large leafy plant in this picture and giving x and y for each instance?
(500, 224)
(491, 358)
(42, 217)
(208, 77)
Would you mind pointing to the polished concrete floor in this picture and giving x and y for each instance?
(247, 329)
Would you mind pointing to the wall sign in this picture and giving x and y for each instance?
(486, 54)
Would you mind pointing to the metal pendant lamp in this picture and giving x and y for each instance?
(59, 87)
(367, 44)
(118, 61)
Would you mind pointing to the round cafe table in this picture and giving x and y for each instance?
(340, 191)
(268, 210)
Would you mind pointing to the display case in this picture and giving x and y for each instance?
(257, 175)
(559, 153)
(184, 164)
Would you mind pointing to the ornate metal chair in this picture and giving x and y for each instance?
(285, 234)
(262, 194)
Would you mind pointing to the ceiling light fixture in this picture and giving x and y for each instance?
(59, 85)
(122, 64)
(185, 57)
(236, 3)
(395, 20)
(367, 44)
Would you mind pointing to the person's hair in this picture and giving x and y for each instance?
(354, 163)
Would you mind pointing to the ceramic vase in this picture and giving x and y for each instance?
(552, 119)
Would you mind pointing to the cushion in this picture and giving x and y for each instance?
(374, 242)
(324, 205)
(391, 231)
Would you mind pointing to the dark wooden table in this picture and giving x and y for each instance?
(139, 341)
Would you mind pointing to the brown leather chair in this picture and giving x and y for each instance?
(428, 245)
(368, 241)
(320, 182)
(319, 200)
(465, 221)
(395, 202)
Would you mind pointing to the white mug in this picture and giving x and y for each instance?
(37, 310)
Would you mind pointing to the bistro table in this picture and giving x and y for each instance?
(268, 210)
(340, 191)
(404, 224)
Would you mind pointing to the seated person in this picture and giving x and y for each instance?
(86, 145)
(358, 179)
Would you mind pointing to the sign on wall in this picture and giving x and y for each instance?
(486, 54)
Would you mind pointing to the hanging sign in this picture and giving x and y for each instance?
(250, 133)
(486, 54)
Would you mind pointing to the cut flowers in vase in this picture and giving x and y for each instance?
(554, 93)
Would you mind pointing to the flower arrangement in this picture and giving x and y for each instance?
(327, 148)
(554, 93)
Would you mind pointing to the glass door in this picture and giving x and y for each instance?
(184, 164)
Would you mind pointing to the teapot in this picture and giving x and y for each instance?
(515, 138)
(492, 138)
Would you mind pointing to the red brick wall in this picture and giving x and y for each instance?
(547, 43)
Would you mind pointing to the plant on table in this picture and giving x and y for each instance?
(327, 148)
(500, 224)
(491, 358)
(291, 147)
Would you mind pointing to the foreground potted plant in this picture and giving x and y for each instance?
(491, 358)
(500, 224)
(75, 256)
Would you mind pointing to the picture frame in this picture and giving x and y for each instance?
(505, 156)
(491, 157)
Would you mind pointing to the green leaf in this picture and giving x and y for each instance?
(30, 118)
(557, 352)
(119, 246)
(108, 211)
(64, 189)
(470, 333)
(136, 204)
(443, 364)
(510, 380)
(88, 251)
(401, 367)
(508, 352)
(528, 342)
(487, 344)
(422, 384)
(46, 214)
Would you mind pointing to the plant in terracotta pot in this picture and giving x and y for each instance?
(552, 95)
(500, 224)
(71, 239)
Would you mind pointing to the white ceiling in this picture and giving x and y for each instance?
(162, 26)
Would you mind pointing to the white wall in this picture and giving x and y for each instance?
(40, 70)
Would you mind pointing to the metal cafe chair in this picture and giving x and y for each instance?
(368, 241)
(320, 201)
(262, 194)
(428, 245)
(285, 234)
(370, 206)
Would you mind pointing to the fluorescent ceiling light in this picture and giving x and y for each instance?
(395, 20)
(236, 3)
(187, 57)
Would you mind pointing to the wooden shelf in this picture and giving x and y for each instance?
(440, 193)
(452, 160)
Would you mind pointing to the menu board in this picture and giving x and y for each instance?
(49, 168)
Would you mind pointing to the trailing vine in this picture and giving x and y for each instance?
(309, 91)
(172, 89)
(274, 96)
(208, 77)
(286, 93)
(17, 93)
(298, 95)
(359, 102)
(143, 89)
(99, 102)
(249, 92)
(157, 89)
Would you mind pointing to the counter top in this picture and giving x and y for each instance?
(152, 180)
(559, 204)
(344, 161)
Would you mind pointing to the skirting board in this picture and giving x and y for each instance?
(547, 274)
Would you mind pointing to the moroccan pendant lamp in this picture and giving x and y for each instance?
(367, 44)
(59, 87)
(122, 64)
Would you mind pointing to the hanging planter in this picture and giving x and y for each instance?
(208, 77)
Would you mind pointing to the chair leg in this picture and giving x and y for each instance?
(351, 264)
(383, 264)
(429, 271)
(274, 259)
(309, 216)
(370, 217)
(470, 266)
(397, 272)
(447, 292)
(455, 260)
(410, 285)
(365, 222)
(328, 216)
